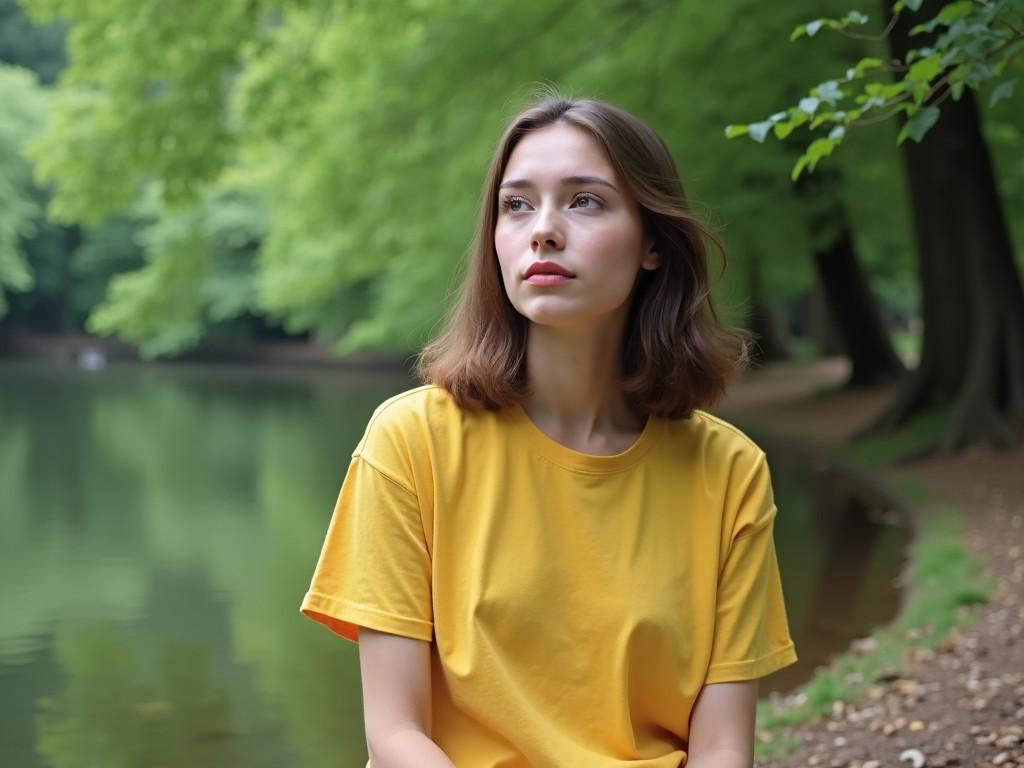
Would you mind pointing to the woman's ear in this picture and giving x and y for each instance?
(650, 259)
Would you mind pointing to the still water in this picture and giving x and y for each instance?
(159, 525)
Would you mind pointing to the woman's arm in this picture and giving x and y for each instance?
(722, 726)
(396, 701)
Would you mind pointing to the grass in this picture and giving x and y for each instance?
(877, 451)
(941, 580)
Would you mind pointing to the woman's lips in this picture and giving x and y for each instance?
(547, 278)
(544, 272)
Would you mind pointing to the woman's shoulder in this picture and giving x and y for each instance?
(716, 440)
(410, 416)
(413, 426)
(414, 407)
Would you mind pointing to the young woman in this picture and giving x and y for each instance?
(549, 555)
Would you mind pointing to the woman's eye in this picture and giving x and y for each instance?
(586, 201)
(512, 204)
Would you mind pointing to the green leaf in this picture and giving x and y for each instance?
(838, 132)
(856, 17)
(1002, 91)
(758, 131)
(800, 165)
(798, 116)
(914, 5)
(865, 64)
(954, 11)
(732, 131)
(809, 104)
(925, 69)
(960, 73)
(811, 28)
(917, 126)
(828, 91)
(782, 130)
(798, 31)
(824, 117)
(820, 148)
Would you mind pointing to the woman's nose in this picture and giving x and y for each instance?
(547, 232)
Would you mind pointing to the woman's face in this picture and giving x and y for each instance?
(569, 237)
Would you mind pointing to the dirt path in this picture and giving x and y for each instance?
(962, 705)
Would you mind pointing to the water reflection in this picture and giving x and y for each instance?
(111, 713)
(840, 548)
(159, 525)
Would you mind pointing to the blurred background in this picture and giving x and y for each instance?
(226, 227)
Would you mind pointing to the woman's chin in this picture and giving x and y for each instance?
(554, 316)
(556, 312)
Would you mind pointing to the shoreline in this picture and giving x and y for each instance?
(77, 349)
(943, 684)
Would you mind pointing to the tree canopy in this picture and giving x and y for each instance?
(24, 109)
(359, 134)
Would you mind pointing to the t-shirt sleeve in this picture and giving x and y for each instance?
(374, 569)
(751, 635)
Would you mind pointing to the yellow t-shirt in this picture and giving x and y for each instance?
(576, 603)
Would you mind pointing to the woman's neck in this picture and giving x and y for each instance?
(575, 379)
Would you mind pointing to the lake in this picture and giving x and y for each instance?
(159, 525)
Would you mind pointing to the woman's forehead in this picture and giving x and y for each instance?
(557, 152)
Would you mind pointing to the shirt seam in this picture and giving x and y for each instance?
(359, 456)
(543, 453)
(581, 471)
(758, 527)
(337, 606)
(731, 427)
(394, 399)
(725, 665)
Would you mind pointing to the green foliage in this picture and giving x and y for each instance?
(110, 248)
(364, 130)
(24, 107)
(969, 45)
(143, 96)
(34, 47)
(198, 274)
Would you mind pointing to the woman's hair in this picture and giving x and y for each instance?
(676, 354)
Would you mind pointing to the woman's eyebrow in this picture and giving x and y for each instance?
(568, 180)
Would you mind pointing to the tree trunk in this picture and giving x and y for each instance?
(820, 325)
(972, 354)
(865, 338)
(72, 241)
(766, 321)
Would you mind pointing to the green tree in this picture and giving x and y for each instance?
(24, 108)
(199, 273)
(28, 45)
(972, 296)
(365, 129)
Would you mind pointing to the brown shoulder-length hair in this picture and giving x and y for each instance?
(676, 354)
